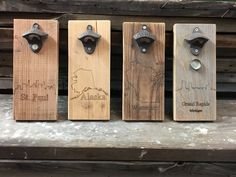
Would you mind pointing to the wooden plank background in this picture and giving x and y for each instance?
(135, 7)
(221, 13)
(39, 168)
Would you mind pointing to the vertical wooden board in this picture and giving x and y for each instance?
(35, 75)
(194, 92)
(143, 74)
(89, 74)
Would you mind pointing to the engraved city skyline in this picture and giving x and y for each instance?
(36, 84)
(188, 85)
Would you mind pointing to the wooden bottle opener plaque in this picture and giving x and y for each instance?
(35, 69)
(89, 70)
(143, 71)
(194, 66)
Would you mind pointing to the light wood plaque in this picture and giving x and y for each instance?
(35, 75)
(194, 88)
(89, 74)
(143, 74)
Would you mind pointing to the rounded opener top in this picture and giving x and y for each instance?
(196, 41)
(144, 39)
(89, 39)
(35, 38)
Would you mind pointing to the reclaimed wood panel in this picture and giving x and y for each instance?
(89, 74)
(35, 76)
(143, 74)
(194, 91)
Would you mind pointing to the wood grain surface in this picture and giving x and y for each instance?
(224, 25)
(194, 92)
(46, 168)
(35, 76)
(119, 140)
(143, 74)
(89, 74)
(189, 8)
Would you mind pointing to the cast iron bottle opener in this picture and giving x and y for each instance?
(89, 40)
(196, 42)
(144, 39)
(35, 38)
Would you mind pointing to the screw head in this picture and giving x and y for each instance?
(144, 27)
(196, 50)
(144, 50)
(196, 29)
(89, 27)
(36, 26)
(35, 46)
